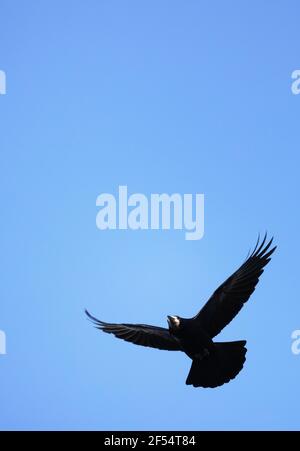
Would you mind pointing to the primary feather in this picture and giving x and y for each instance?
(139, 334)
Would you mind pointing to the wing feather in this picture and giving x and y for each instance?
(230, 297)
(139, 334)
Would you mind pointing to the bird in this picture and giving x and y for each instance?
(213, 363)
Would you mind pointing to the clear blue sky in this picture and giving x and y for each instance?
(162, 96)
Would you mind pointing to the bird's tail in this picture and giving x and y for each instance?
(218, 367)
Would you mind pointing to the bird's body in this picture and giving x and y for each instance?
(193, 340)
(213, 363)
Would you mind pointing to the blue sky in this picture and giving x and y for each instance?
(161, 96)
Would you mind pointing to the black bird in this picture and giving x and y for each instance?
(214, 363)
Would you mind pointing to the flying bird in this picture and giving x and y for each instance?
(213, 363)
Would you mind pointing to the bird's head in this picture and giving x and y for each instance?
(174, 323)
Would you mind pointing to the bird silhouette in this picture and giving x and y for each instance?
(213, 363)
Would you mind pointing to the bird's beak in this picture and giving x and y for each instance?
(172, 321)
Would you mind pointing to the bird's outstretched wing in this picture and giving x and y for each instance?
(139, 334)
(230, 297)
